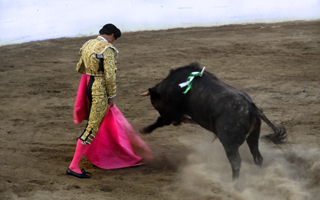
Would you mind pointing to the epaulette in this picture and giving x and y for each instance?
(84, 45)
(102, 46)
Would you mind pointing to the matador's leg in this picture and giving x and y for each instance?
(99, 104)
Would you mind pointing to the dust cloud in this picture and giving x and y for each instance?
(289, 173)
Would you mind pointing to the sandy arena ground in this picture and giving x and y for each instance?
(273, 63)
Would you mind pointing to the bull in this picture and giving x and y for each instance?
(216, 106)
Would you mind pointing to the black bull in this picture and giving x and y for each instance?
(216, 106)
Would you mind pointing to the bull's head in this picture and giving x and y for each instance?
(156, 102)
(155, 98)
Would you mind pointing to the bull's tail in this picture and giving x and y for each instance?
(279, 136)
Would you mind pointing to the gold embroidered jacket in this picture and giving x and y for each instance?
(89, 63)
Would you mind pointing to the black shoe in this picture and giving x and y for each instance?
(83, 175)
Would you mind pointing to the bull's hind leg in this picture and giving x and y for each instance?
(253, 143)
(235, 161)
(231, 146)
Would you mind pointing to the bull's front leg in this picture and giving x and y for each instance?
(159, 123)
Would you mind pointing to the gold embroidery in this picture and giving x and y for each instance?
(104, 84)
(89, 59)
(89, 63)
(110, 72)
(80, 67)
(98, 109)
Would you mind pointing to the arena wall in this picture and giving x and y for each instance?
(29, 20)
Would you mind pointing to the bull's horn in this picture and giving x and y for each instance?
(147, 93)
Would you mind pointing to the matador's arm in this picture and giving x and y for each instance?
(110, 72)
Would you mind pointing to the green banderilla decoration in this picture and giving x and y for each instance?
(190, 80)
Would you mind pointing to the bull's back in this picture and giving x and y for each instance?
(211, 101)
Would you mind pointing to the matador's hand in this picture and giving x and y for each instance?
(110, 102)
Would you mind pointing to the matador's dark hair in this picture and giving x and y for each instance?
(108, 29)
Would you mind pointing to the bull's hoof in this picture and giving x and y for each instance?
(176, 123)
(143, 131)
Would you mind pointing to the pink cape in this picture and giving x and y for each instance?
(116, 144)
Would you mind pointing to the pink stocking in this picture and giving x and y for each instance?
(80, 149)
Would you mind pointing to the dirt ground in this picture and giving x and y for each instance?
(273, 63)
